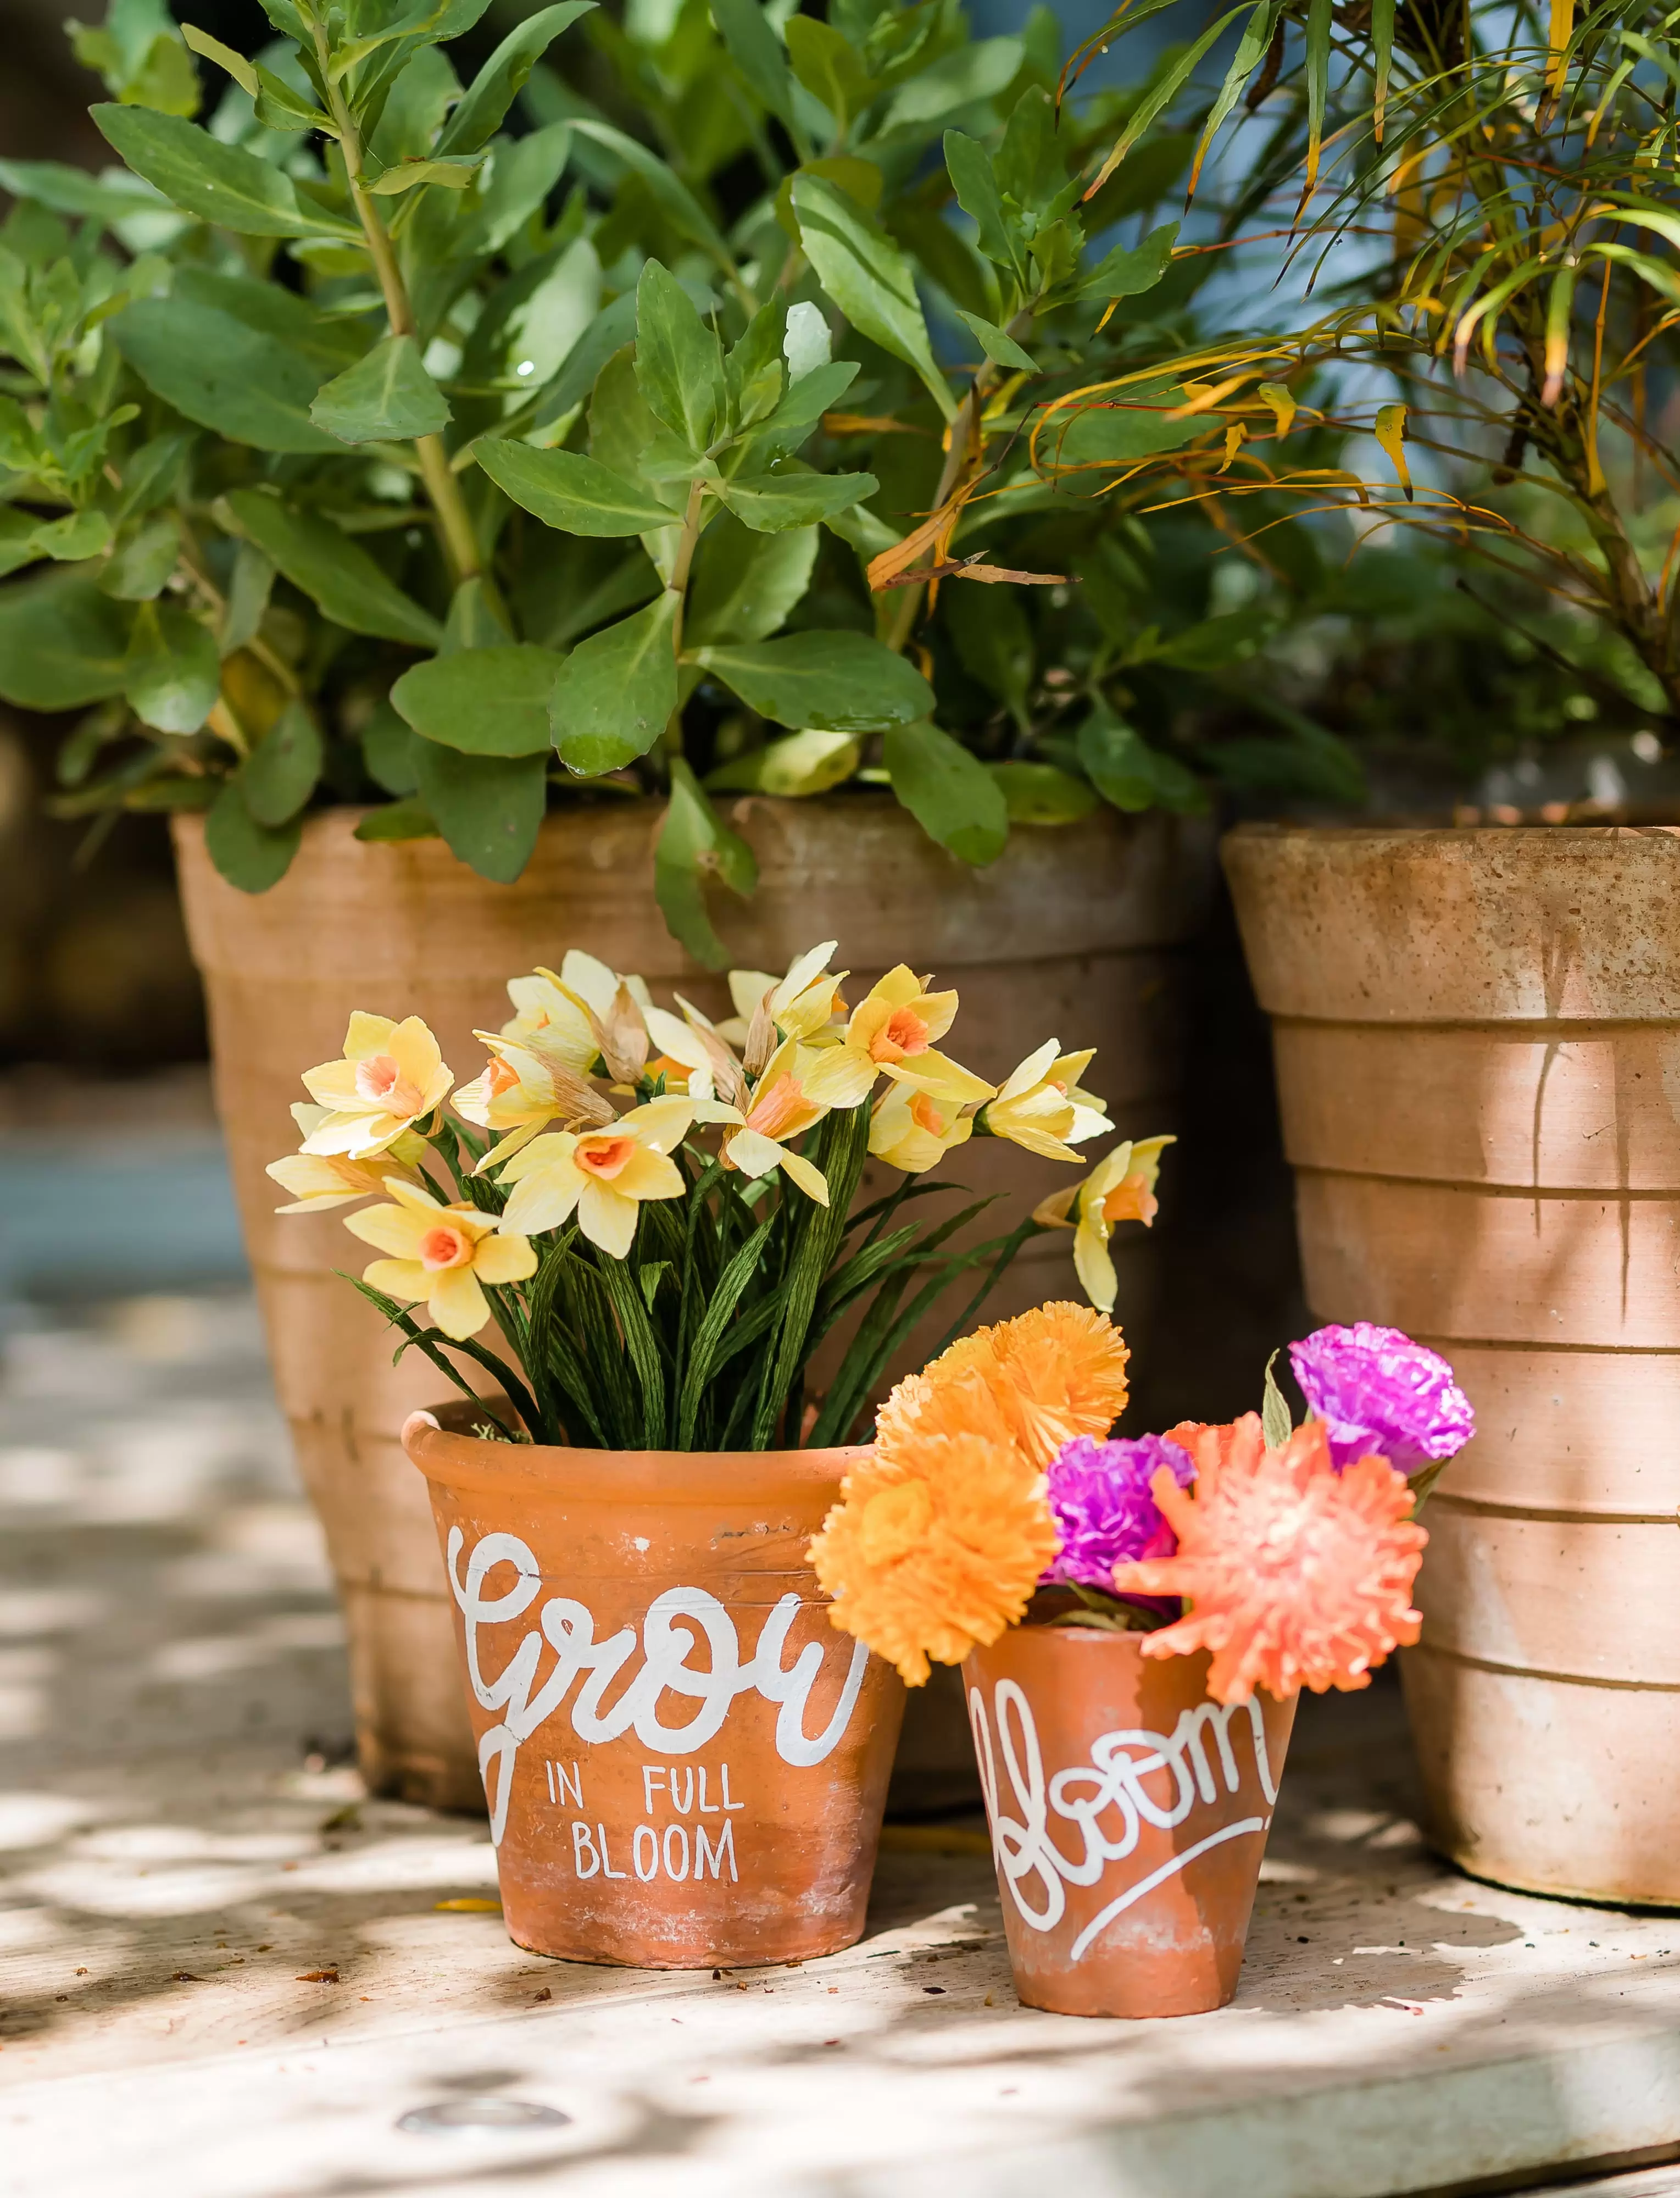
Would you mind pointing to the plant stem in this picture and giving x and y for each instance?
(682, 565)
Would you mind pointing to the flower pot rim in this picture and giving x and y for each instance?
(454, 1459)
(1282, 828)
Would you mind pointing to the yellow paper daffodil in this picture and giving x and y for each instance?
(602, 1175)
(1121, 1187)
(696, 1051)
(911, 1129)
(320, 1181)
(391, 1076)
(779, 1110)
(442, 1254)
(1040, 1106)
(522, 1092)
(555, 1010)
(894, 1031)
(800, 1004)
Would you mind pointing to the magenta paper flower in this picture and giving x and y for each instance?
(1382, 1395)
(1103, 1511)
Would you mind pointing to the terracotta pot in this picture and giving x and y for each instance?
(685, 1762)
(1477, 1047)
(1129, 1815)
(1077, 931)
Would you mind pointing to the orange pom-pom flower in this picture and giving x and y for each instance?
(1296, 1575)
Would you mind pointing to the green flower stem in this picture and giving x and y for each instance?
(681, 568)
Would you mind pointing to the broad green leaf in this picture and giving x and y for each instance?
(140, 53)
(62, 643)
(1040, 794)
(967, 74)
(1128, 772)
(802, 764)
(868, 277)
(112, 197)
(950, 793)
(249, 587)
(524, 170)
(970, 168)
(18, 543)
(946, 258)
(532, 321)
(1127, 272)
(406, 819)
(693, 845)
(1128, 425)
(675, 201)
(829, 67)
(77, 535)
(139, 569)
(476, 618)
(281, 106)
(409, 175)
(244, 384)
(769, 503)
(493, 89)
(417, 109)
(330, 341)
(805, 402)
(610, 330)
(220, 183)
(998, 344)
(484, 701)
(225, 57)
(744, 586)
(1213, 642)
(616, 692)
(252, 856)
(174, 669)
(336, 573)
(757, 53)
(279, 773)
(388, 397)
(151, 474)
(838, 682)
(679, 368)
(389, 750)
(489, 808)
(568, 490)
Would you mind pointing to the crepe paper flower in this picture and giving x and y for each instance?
(1296, 1574)
(1040, 1105)
(1050, 1374)
(602, 1176)
(442, 1254)
(1380, 1394)
(912, 1130)
(934, 1549)
(391, 1076)
(320, 1181)
(780, 1110)
(1104, 1510)
(520, 1092)
(710, 1070)
(586, 1011)
(800, 1004)
(899, 1019)
(1121, 1187)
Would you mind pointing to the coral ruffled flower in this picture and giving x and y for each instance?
(391, 1076)
(442, 1254)
(1297, 1575)
(1105, 1512)
(934, 1548)
(1380, 1394)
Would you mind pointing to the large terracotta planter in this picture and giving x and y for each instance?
(1128, 1814)
(1478, 1048)
(685, 1762)
(1077, 931)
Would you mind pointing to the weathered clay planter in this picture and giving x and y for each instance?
(1077, 931)
(685, 1762)
(1129, 1815)
(1478, 1048)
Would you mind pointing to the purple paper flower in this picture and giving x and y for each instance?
(1380, 1394)
(1103, 1511)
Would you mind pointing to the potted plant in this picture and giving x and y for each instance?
(655, 1443)
(275, 389)
(1134, 1621)
(1467, 1021)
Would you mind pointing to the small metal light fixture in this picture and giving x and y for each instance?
(447, 2117)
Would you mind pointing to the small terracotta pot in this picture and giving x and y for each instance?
(1128, 1814)
(685, 1762)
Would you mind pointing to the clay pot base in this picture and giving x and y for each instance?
(1129, 1815)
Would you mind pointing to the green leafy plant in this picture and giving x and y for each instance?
(663, 1274)
(664, 425)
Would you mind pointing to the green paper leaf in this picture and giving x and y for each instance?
(484, 701)
(744, 586)
(769, 503)
(336, 573)
(388, 397)
(1129, 773)
(679, 368)
(279, 775)
(493, 89)
(801, 764)
(174, 669)
(693, 845)
(489, 808)
(838, 682)
(220, 183)
(998, 344)
(1129, 272)
(1040, 794)
(616, 692)
(252, 856)
(571, 492)
(62, 643)
(868, 277)
(950, 793)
